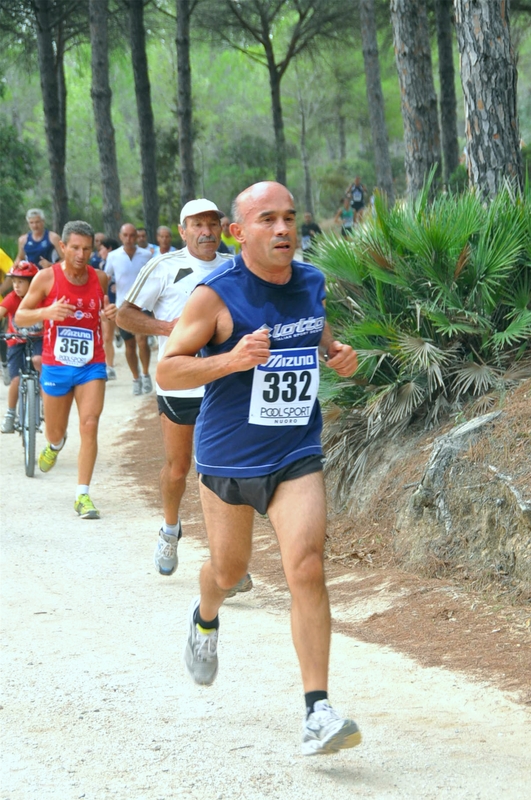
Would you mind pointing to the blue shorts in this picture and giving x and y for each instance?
(16, 359)
(58, 381)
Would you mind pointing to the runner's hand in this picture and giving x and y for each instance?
(109, 310)
(343, 359)
(60, 310)
(251, 350)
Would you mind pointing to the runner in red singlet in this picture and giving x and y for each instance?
(71, 296)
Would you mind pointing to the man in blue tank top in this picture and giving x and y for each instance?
(40, 246)
(260, 324)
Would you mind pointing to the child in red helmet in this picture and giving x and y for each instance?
(22, 275)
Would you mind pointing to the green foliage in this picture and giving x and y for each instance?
(436, 299)
(17, 170)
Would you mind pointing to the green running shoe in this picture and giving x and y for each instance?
(47, 458)
(85, 507)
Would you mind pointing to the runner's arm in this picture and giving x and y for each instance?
(58, 247)
(204, 318)
(21, 255)
(339, 357)
(29, 312)
(131, 318)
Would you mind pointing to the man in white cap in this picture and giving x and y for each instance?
(163, 287)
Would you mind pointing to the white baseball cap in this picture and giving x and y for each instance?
(200, 206)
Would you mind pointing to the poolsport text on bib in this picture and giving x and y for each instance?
(74, 347)
(285, 389)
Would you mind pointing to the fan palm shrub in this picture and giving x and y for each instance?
(435, 296)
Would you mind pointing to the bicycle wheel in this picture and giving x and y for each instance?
(29, 426)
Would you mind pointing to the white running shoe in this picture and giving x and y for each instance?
(137, 386)
(165, 556)
(111, 374)
(8, 423)
(325, 731)
(147, 385)
(201, 652)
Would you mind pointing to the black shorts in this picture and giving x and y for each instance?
(357, 206)
(258, 492)
(126, 335)
(181, 410)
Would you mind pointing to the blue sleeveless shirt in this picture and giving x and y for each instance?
(226, 443)
(36, 250)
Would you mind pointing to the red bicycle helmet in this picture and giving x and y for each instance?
(24, 269)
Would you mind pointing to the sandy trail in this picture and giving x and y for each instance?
(96, 704)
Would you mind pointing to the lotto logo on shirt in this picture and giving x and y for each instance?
(303, 325)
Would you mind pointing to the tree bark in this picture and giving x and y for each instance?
(489, 78)
(380, 139)
(184, 103)
(308, 199)
(278, 122)
(448, 101)
(101, 102)
(53, 90)
(146, 123)
(418, 98)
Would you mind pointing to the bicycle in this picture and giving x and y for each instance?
(29, 402)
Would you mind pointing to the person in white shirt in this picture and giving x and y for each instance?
(123, 265)
(163, 287)
(164, 244)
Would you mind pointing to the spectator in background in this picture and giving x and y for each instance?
(96, 260)
(107, 245)
(40, 246)
(164, 244)
(356, 192)
(345, 217)
(309, 230)
(124, 264)
(232, 245)
(142, 240)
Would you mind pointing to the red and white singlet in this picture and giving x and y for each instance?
(77, 340)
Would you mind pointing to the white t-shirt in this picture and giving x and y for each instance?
(124, 270)
(163, 286)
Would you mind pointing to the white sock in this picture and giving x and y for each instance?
(170, 530)
(11, 411)
(58, 446)
(82, 489)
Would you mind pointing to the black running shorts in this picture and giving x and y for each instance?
(258, 492)
(181, 410)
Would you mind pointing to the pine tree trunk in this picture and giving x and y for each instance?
(489, 77)
(278, 122)
(184, 103)
(146, 123)
(308, 200)
(371, 59)
(54, 105)
(342, 137)
(448, 101)
(101, 102)
(418, 98)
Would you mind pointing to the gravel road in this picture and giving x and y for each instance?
(95, 703)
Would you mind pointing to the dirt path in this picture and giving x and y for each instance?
(95, 703)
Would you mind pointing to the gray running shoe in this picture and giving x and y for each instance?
(137, 386)
(8, 423)
(200, 655)
(111, 374)
(147, 385)
(165, 556)
(245, 585)
(325, 732)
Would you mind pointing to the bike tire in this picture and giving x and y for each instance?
(29, 427)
